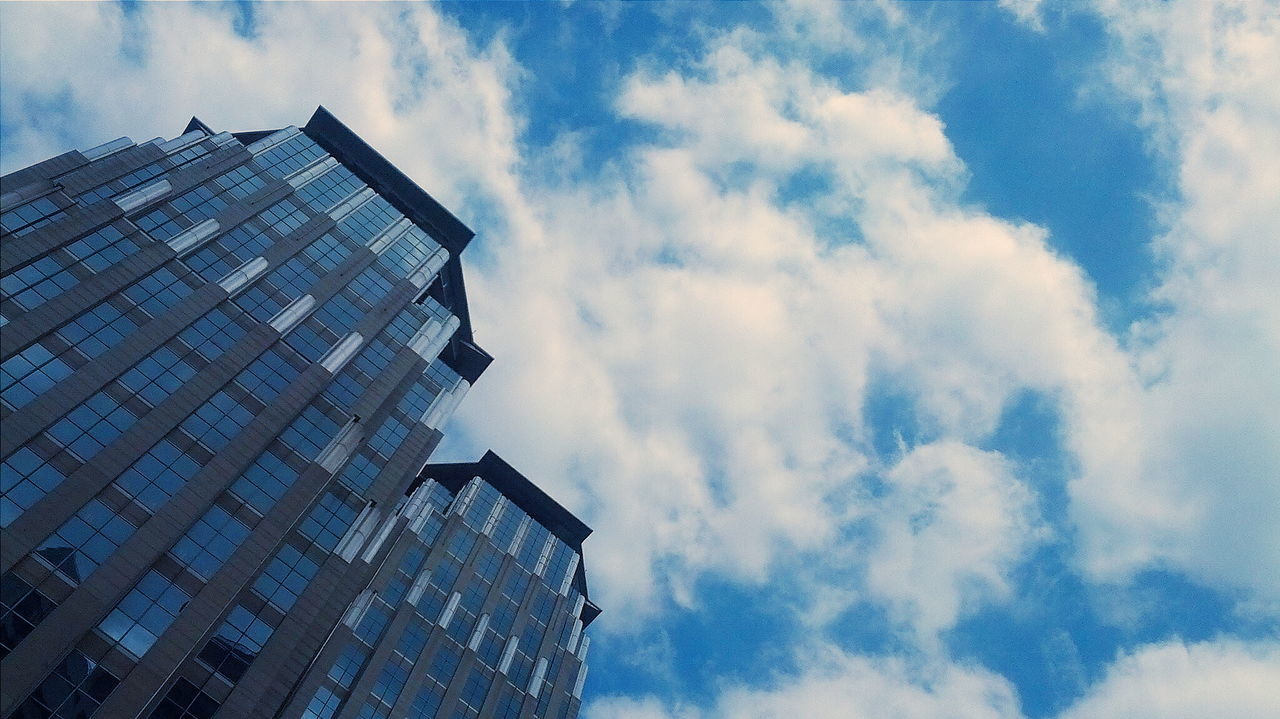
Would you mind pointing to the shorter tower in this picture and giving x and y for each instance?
(476, 606)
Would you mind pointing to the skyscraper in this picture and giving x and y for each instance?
(223, 360)
(476, 608)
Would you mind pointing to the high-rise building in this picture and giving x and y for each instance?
(223, 360)
(476, 608)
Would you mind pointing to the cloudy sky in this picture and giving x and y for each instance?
(909, 360)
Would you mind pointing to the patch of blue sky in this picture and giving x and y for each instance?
(1048, 640)
(1059, 634)
(889, 413)
(866, 628)
(1040, 147)
(735, 634)
(1029, 435)
(576, 58)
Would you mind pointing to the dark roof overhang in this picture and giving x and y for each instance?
(525, 495)
(462, 354)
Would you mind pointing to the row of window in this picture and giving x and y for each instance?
(143, 174)
(329, 189)
(290, 156)
(200, 202)
(482, 508)
(30, 216)
(34, 284)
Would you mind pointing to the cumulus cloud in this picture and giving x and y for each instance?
(1220, 679)
(835, 685)
(702, 350)
(1186, 477)
(407, 79)
(1172, 680)
(954, 522)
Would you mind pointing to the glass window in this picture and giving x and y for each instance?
(413, 640)
(285, 284)
(236, 643)
(284, 217)
(25, 478)
(322, 705)
(159, 374)
(328, 521)
(369, 286)
(408, 252)
(75, 688)
(412, 560)
(366, 221)
(85, 541)
(217, 258)
(310, 432)
(30, 216)
(427, 704)
(290, 156)
(329, 251)
(360, 472)
(475, 688)
(391, 680)
(91, 425)
(530, 550)
(32, 285)
(209, 542)
(216, 421)
(504, 530)
(29, 374)
(214, 333)
(264, 482)
(339, 314)
(145, 612)
(186, 701)
(509, 701)
(157, 475)
(389, 437)
(143, 174)
(161, 290)
(240, 182)
(330, 188)
(98, 329)
(266, 377)
(348, 664)
(444, 662)
(285, 577)
(373, 622)
(36, 369)
(478, 510)
(22, 607)
(558, 566)
(369, 711)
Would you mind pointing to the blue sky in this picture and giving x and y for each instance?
(909, 359)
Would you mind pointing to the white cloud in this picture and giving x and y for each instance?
(1028, 12)
(835, 685)
(692, 345)
(1225, 679)
(388, 71)
(954, 522)
(1172, 680)
(1186, 476)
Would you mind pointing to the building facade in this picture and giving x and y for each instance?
(476, 608)
(223, 360)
